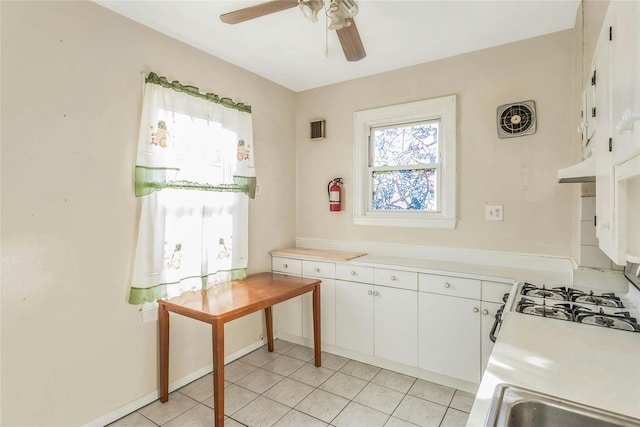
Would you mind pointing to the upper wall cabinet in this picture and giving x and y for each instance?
(601, 83)
(614, 120)
(625, 81)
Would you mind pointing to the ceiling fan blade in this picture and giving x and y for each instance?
(351, 42)
(257, 11)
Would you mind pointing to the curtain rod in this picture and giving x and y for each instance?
(194, 91)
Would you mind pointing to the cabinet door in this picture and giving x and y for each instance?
(354, 316)
(625, 66)
(327, 312)
(396, 325)
(489, 310)
(449, 336)
(287, 317)
(604, 157)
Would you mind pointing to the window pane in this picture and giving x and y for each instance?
(405, 190)
(405, 145)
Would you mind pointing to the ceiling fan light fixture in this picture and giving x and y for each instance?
(348, 8)
(310, 8)
(340, 11)
(338, 22)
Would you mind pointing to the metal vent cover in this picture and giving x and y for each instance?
(516, 119)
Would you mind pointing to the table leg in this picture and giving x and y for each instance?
(218, 372)
(163, 321)
(268, 319)
(316, 325)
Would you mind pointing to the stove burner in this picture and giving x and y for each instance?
(556, 311)
(558, 294)
(621, 320)
(605, 300)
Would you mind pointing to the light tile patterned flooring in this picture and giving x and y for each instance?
(284, 388)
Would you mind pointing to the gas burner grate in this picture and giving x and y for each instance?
(558, 294)
(621, 320)
(555, 311)
(605, 299)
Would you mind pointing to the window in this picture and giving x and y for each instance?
(194, 174)
(405, 165)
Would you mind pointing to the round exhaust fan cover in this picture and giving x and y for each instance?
(517, 119)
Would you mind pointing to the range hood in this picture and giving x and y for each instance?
(585, 171)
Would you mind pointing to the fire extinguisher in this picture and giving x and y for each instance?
(335, 194)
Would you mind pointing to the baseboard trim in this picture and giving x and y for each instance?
(175, 385)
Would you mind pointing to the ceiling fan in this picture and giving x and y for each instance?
(340, 12)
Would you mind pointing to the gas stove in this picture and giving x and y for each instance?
(582, 305)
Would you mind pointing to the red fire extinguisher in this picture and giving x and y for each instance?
(335, 194)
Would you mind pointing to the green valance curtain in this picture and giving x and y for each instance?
(167, 154)
(194, 174)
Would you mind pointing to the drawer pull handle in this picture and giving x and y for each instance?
(316, 269)
(375, 293)
(485, 311)
(353, 273)
(476, 309)
(393, 278)
(370, 292)
(447, 285)
(285, 266)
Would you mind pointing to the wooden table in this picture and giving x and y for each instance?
(228, 301)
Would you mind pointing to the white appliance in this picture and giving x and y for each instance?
(591, 306)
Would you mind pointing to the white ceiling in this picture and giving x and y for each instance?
(290, 50)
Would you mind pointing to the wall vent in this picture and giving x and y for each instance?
(318, 129)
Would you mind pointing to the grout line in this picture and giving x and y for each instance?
(315, 388)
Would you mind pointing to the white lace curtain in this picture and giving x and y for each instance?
(194, 174)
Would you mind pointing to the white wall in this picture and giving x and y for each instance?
(73, 350)
(519, 173)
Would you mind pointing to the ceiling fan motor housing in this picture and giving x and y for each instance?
(516, 119)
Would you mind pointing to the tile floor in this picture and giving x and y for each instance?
(284, 388)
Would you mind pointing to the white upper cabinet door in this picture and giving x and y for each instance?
(605, 189)
(396, 324)
(354, 316)
(625, 98)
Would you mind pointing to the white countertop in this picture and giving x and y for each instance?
(594, 366)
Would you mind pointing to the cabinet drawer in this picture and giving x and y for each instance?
(286, 265)
(353, 273)
(396, 278)
(449, 285)
(319, 269)
(494, 291)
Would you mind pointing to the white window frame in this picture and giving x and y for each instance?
(442, 109)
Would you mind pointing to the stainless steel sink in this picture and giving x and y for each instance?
(517, 407)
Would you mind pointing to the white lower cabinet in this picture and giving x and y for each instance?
(354, 316)
(287, 315)
(327, 312)
(489, 310)
(449, 336)
(434, 322)
(395, 325)
(455, 317)
(377, 320)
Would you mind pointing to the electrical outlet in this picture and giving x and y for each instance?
(494, 213)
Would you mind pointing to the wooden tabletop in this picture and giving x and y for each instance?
(237, 298)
